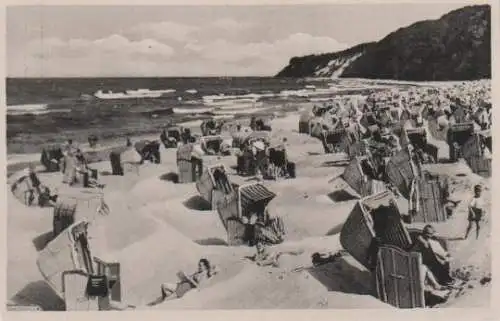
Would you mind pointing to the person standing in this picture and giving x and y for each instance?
(476, 211)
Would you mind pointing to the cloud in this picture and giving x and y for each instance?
(272, 54)
(114, 54)
(162, 31)
(114, 45)
(167, 49)
(230, 24)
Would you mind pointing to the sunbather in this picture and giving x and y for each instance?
(38, 190)
(187, 282)
(434, 255)
(432, 289)
(263, 257)
(46, 198)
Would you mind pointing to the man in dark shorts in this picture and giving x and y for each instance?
(476, 211)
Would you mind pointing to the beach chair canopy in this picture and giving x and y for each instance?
(374, 217)
(401, 170)
(175, 132)
(417, 137)
(212, 142)
(250, 195)
(460, 133)
(63, 254)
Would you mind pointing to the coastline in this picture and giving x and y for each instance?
(19, 161)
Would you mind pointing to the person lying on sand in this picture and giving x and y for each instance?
(46, 199)
(318, 258)
(263, 257)
(187, 282)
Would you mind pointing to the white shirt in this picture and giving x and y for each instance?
(131, 156)
(477, 203)
(197, 151)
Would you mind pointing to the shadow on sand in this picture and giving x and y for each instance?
(335, 163)
(335, 230)
(170, 177)
(42, 240)
(41, 294)
(342, 276)
(211, 241)
(197, 203)
(341, 196)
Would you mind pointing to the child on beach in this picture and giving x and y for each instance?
(476, 211)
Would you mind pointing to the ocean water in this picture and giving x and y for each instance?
(48, 110)
(51, 110)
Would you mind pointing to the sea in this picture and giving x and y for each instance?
(43, 111)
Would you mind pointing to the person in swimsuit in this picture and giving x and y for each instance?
(263, 257)
(46, 198)
(432, 289)
(187, 283)
(434, 255)
(476, 211)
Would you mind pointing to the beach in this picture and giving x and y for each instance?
(165, 224)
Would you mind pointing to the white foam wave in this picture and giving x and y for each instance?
(239, 106)
(35, 109)
(238, 112)
(26, 107)
(185, 111)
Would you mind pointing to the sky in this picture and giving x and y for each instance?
(169, 41)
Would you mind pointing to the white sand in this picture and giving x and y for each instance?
(157, 227)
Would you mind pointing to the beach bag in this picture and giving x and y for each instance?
(97, 285)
